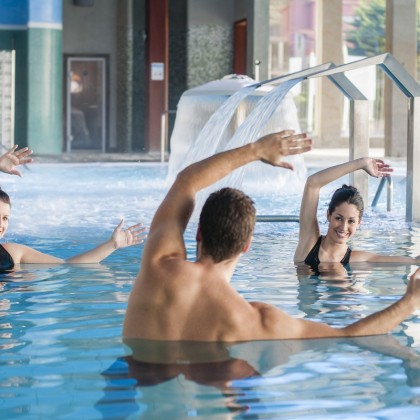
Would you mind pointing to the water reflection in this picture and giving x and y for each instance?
(162, 378)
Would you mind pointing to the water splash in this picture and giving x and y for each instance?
(252, 129)
(238, 119)
(187, 149)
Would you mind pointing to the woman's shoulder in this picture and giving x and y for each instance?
(15, 250)
(305, 247)
(13, 246)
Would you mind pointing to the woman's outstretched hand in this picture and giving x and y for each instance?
(13, 158)
(377, 168)
(133, 235)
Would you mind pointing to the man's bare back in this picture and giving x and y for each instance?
(176, 299)
(196, 304)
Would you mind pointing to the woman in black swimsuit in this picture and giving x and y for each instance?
(344, 215)
(11, 253)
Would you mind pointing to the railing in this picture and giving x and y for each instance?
(164, 133)
(277, 218)
(411, 89)
(390, 192)
(359, 119)
(359, 138)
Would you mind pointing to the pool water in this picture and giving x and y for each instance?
(61, 352)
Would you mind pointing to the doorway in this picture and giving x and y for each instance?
(86, 104)
(239, 47)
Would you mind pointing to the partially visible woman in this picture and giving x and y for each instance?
(12, 253)
(344, 216)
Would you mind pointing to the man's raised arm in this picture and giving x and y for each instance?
(171, 218)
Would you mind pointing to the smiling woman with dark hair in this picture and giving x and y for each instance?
(344, 215)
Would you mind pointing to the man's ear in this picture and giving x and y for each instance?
(247, 246)
(198, 234)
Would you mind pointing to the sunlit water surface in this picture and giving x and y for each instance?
(61, 353)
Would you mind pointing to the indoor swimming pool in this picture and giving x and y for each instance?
(61, 351)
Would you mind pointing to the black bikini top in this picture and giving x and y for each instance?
(6, 260)
(312, 258)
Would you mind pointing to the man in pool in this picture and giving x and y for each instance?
(176, 299)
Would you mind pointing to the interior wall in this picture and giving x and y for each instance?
(215, 12)
(178, 56)
(256, 12)
(209, 40)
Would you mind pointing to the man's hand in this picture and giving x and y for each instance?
(13, 158)
(272, 148)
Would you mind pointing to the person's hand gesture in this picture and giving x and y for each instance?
(132, 236)
(377, 168)
(13, 158)
(272, 148)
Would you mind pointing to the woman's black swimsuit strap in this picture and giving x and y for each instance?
(312, 258)
(346, 258)
(6, 260)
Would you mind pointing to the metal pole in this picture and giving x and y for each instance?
(163, 134)
(390, 195)
(359, 143)
(413, 159)
(257, 70)
(277, 218)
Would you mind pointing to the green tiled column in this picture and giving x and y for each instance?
(44, 131)
(17, 40)
(33, 28)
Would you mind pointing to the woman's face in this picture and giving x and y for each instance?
(343, 222)
(4, 218)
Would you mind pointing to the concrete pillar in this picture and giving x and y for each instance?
(329, 101)
(259, 37)
(125, 75)
(33, 28)
(401, 42)
(157, 70)
(45, 103)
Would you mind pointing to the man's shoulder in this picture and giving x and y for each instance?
(271, 318)
(171, 267)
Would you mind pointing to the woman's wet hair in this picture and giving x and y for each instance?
(4, 197)
(346, 194)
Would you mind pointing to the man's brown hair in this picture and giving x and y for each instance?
(227, 222)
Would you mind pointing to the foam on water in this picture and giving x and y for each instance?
(208, 122)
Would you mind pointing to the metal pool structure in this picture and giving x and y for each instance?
(359, 121)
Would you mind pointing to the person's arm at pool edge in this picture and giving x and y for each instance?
(364, 256)
(120, 238)
(276, 324)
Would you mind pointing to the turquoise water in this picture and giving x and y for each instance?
(61, 353)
